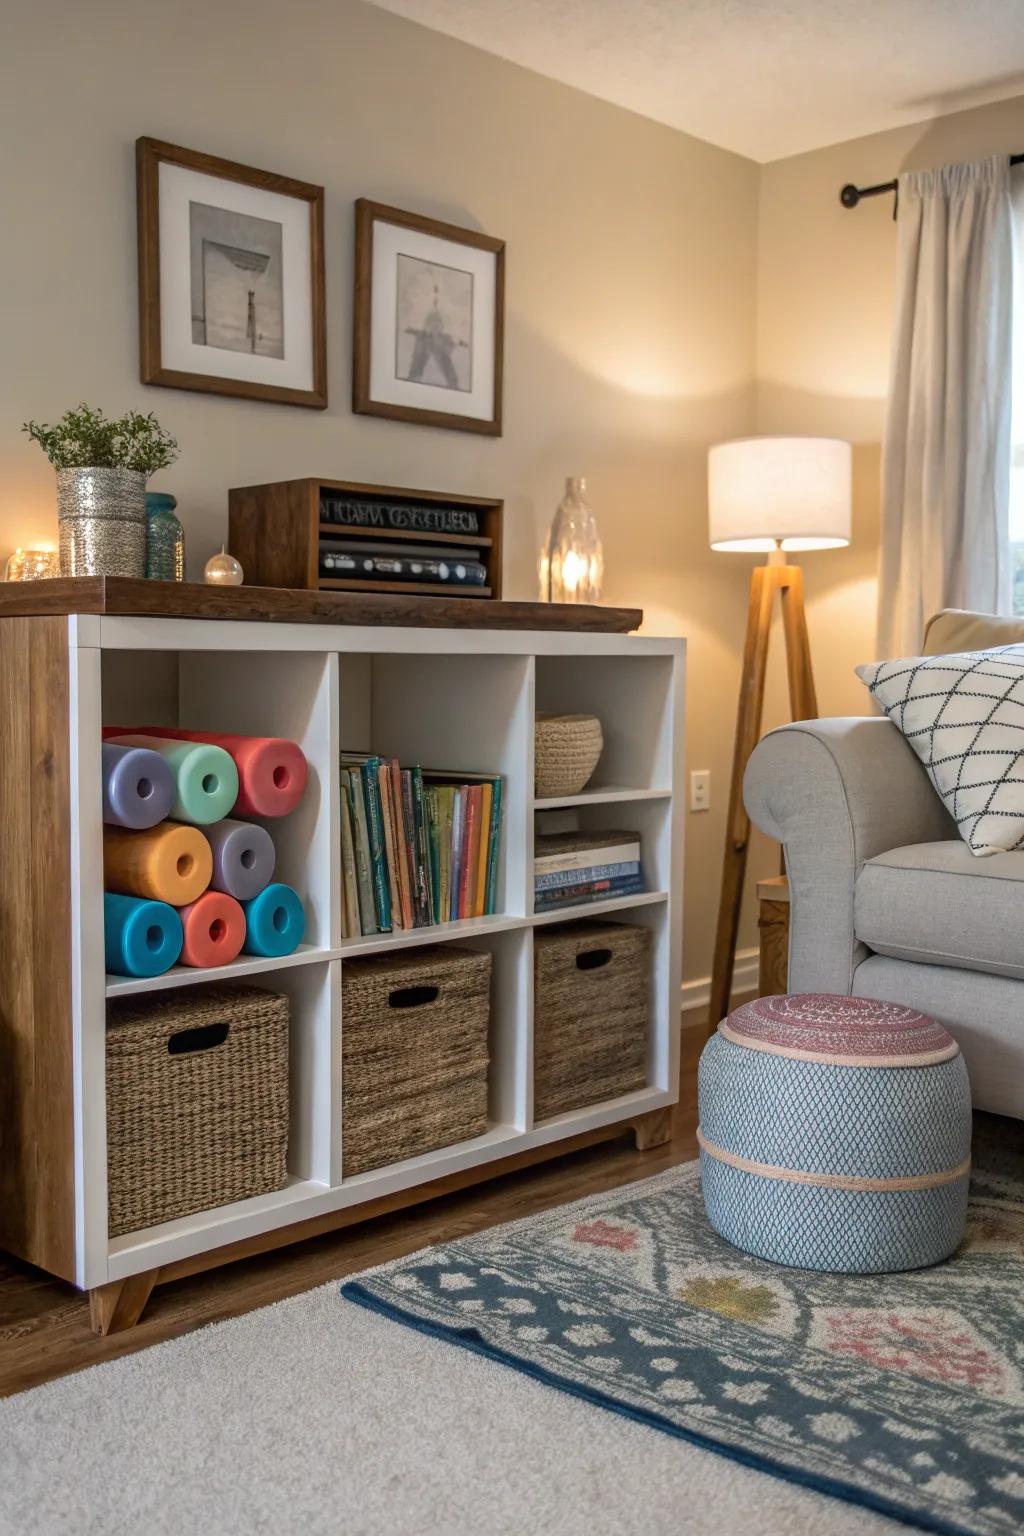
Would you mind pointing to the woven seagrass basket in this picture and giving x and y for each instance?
(591, 1014)
(414, 1053)
(567, 749)
(197, 1101)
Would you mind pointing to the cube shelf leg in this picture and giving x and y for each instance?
(119, 1305)
(653, 1129)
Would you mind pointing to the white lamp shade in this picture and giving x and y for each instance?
(766, 493)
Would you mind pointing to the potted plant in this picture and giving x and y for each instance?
(102, 468)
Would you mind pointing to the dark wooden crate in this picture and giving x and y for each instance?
(275, 531)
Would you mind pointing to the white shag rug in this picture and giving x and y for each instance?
(316, 1417)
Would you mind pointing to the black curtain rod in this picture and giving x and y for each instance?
(850, 195)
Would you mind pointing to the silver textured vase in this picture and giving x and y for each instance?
(102, 519)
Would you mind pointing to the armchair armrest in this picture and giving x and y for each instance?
(835, 793)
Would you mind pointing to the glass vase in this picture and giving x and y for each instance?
(572, 562)
(165, 538)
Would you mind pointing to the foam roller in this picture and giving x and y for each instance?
(140, 938)
(138, 786)
(274, 922)
(243, 858)
(272, 772)
(205, 777)
(214, 930)
(171, 863)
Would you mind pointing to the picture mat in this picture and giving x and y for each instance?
(389, 242)
(178, 187)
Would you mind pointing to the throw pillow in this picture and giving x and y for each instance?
(964, 717)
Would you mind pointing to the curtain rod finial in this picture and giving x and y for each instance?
(849, 195)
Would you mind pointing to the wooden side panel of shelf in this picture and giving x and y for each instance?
(272, 530)
(37, 1165)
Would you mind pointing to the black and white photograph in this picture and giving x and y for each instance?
(434, 324)
(237, 282)
(429, 321)
(231, 278)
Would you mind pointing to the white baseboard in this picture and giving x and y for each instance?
(697, 994)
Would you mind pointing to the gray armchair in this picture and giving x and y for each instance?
(886, 900)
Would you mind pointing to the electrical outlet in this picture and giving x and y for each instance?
(700, 789)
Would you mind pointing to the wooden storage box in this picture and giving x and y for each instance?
(276, 532)
(591, 1014)
(414, 1053)
(197, 1101)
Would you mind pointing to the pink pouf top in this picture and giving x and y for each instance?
(846, 1031)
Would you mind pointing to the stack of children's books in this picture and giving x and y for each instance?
(573, 868)
(418, 847)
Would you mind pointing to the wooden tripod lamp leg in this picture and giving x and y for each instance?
(763, 582)
(803, 700)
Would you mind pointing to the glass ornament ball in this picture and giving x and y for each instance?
(223, 570)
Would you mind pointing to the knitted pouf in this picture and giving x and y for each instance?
(835, 1134)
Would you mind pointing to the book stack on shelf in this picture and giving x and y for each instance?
(418, 847)
(573, 868)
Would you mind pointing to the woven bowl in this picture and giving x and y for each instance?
(567, 749)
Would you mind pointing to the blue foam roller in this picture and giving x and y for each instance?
(138, 787)
(140, 937)
(274, 922)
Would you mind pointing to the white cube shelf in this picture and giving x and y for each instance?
(446, 698)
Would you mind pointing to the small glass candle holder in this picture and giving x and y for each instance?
(32, 565)
(223, 570)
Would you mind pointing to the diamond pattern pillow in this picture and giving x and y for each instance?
(964, 717)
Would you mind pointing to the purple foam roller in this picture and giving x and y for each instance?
(138, 787)
(243, 858)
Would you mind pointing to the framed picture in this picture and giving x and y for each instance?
(429, 321)
(231, 278)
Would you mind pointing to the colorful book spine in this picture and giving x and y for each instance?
(480, 873)
(493, 851)
(446, 796)
(378, 850)
(421, 857)
(458, 834)
(361, 839)
(471, 857)
(409, 836)
(401, 851)
(387, 815)
(349, 885)
(433, 851)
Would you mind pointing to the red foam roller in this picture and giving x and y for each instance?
(214, 930)
(272, 771)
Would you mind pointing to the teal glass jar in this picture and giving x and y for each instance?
(165, 538)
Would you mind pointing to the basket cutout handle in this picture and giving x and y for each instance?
(412, 997)
(205, 1037)
(593, 959)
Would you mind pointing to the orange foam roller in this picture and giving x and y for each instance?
(170, 862)
(272, 771)
(214, 930)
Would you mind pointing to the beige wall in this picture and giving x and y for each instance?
(631, 291)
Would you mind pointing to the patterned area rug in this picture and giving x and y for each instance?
(904, 1393)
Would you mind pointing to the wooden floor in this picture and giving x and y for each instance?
(44, 1324)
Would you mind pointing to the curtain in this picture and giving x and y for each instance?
(946, 455)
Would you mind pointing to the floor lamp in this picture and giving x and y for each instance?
(771, 495)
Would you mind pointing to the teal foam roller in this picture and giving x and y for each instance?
(274, 922)
(140, 937)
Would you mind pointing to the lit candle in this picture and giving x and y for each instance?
(32, 565)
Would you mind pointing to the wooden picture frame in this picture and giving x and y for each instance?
(277, 278)
(454, 362)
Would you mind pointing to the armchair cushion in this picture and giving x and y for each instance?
(963, 714)
(936, 904)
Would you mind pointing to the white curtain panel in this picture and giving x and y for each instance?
(946, 457)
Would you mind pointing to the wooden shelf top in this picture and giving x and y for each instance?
(138, 598)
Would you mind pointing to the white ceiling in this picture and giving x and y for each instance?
(765, 78)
